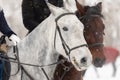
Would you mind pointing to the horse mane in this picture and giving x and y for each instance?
(92, 11)
(85, 12)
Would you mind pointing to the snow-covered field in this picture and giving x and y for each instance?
(111, 12)
(12, 12)
(104, 73)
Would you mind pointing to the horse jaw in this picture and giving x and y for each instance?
(75, 59)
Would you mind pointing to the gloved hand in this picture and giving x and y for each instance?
(15, 39)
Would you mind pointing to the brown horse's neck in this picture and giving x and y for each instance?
(62, 74)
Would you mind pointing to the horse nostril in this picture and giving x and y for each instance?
(97, 60)
(84, 60)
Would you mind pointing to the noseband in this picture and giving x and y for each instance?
(66, 48)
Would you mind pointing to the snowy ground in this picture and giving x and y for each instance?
(111, 11)
(105, 73)
(13, 14)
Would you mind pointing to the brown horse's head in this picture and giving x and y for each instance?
(93, 30)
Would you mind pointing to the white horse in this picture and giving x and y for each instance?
(44, 44)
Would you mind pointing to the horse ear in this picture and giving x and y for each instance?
(80, 8)
(70, 5)
(53, 9)
(99, 5)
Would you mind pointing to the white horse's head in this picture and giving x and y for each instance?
(69, 40)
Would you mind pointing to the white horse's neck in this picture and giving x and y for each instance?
(38, 48)
(44, 30)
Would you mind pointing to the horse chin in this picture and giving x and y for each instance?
(98, 65)
(78, 68)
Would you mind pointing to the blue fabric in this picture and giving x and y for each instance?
(4, 28)
(1, 68)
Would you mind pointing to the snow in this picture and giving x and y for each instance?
(104, 73)
(13, 14)
(111, 12)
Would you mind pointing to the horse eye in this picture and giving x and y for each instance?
(65, 28)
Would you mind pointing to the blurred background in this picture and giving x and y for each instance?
(12, 12)
(111, 12)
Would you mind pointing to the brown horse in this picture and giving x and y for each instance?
(93, 32)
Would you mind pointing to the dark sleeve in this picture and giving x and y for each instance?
(28, 15)
(4, 28)
(58, 3)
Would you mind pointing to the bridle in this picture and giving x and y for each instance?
(17, 61)
(68, 68)
(67, 50)
(65, 46)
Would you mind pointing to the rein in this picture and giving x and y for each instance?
(5, 58)
(67, 50)
(16, 53)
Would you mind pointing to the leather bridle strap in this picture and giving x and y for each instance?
(64, 44)
(96, 45)
(23, 70)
